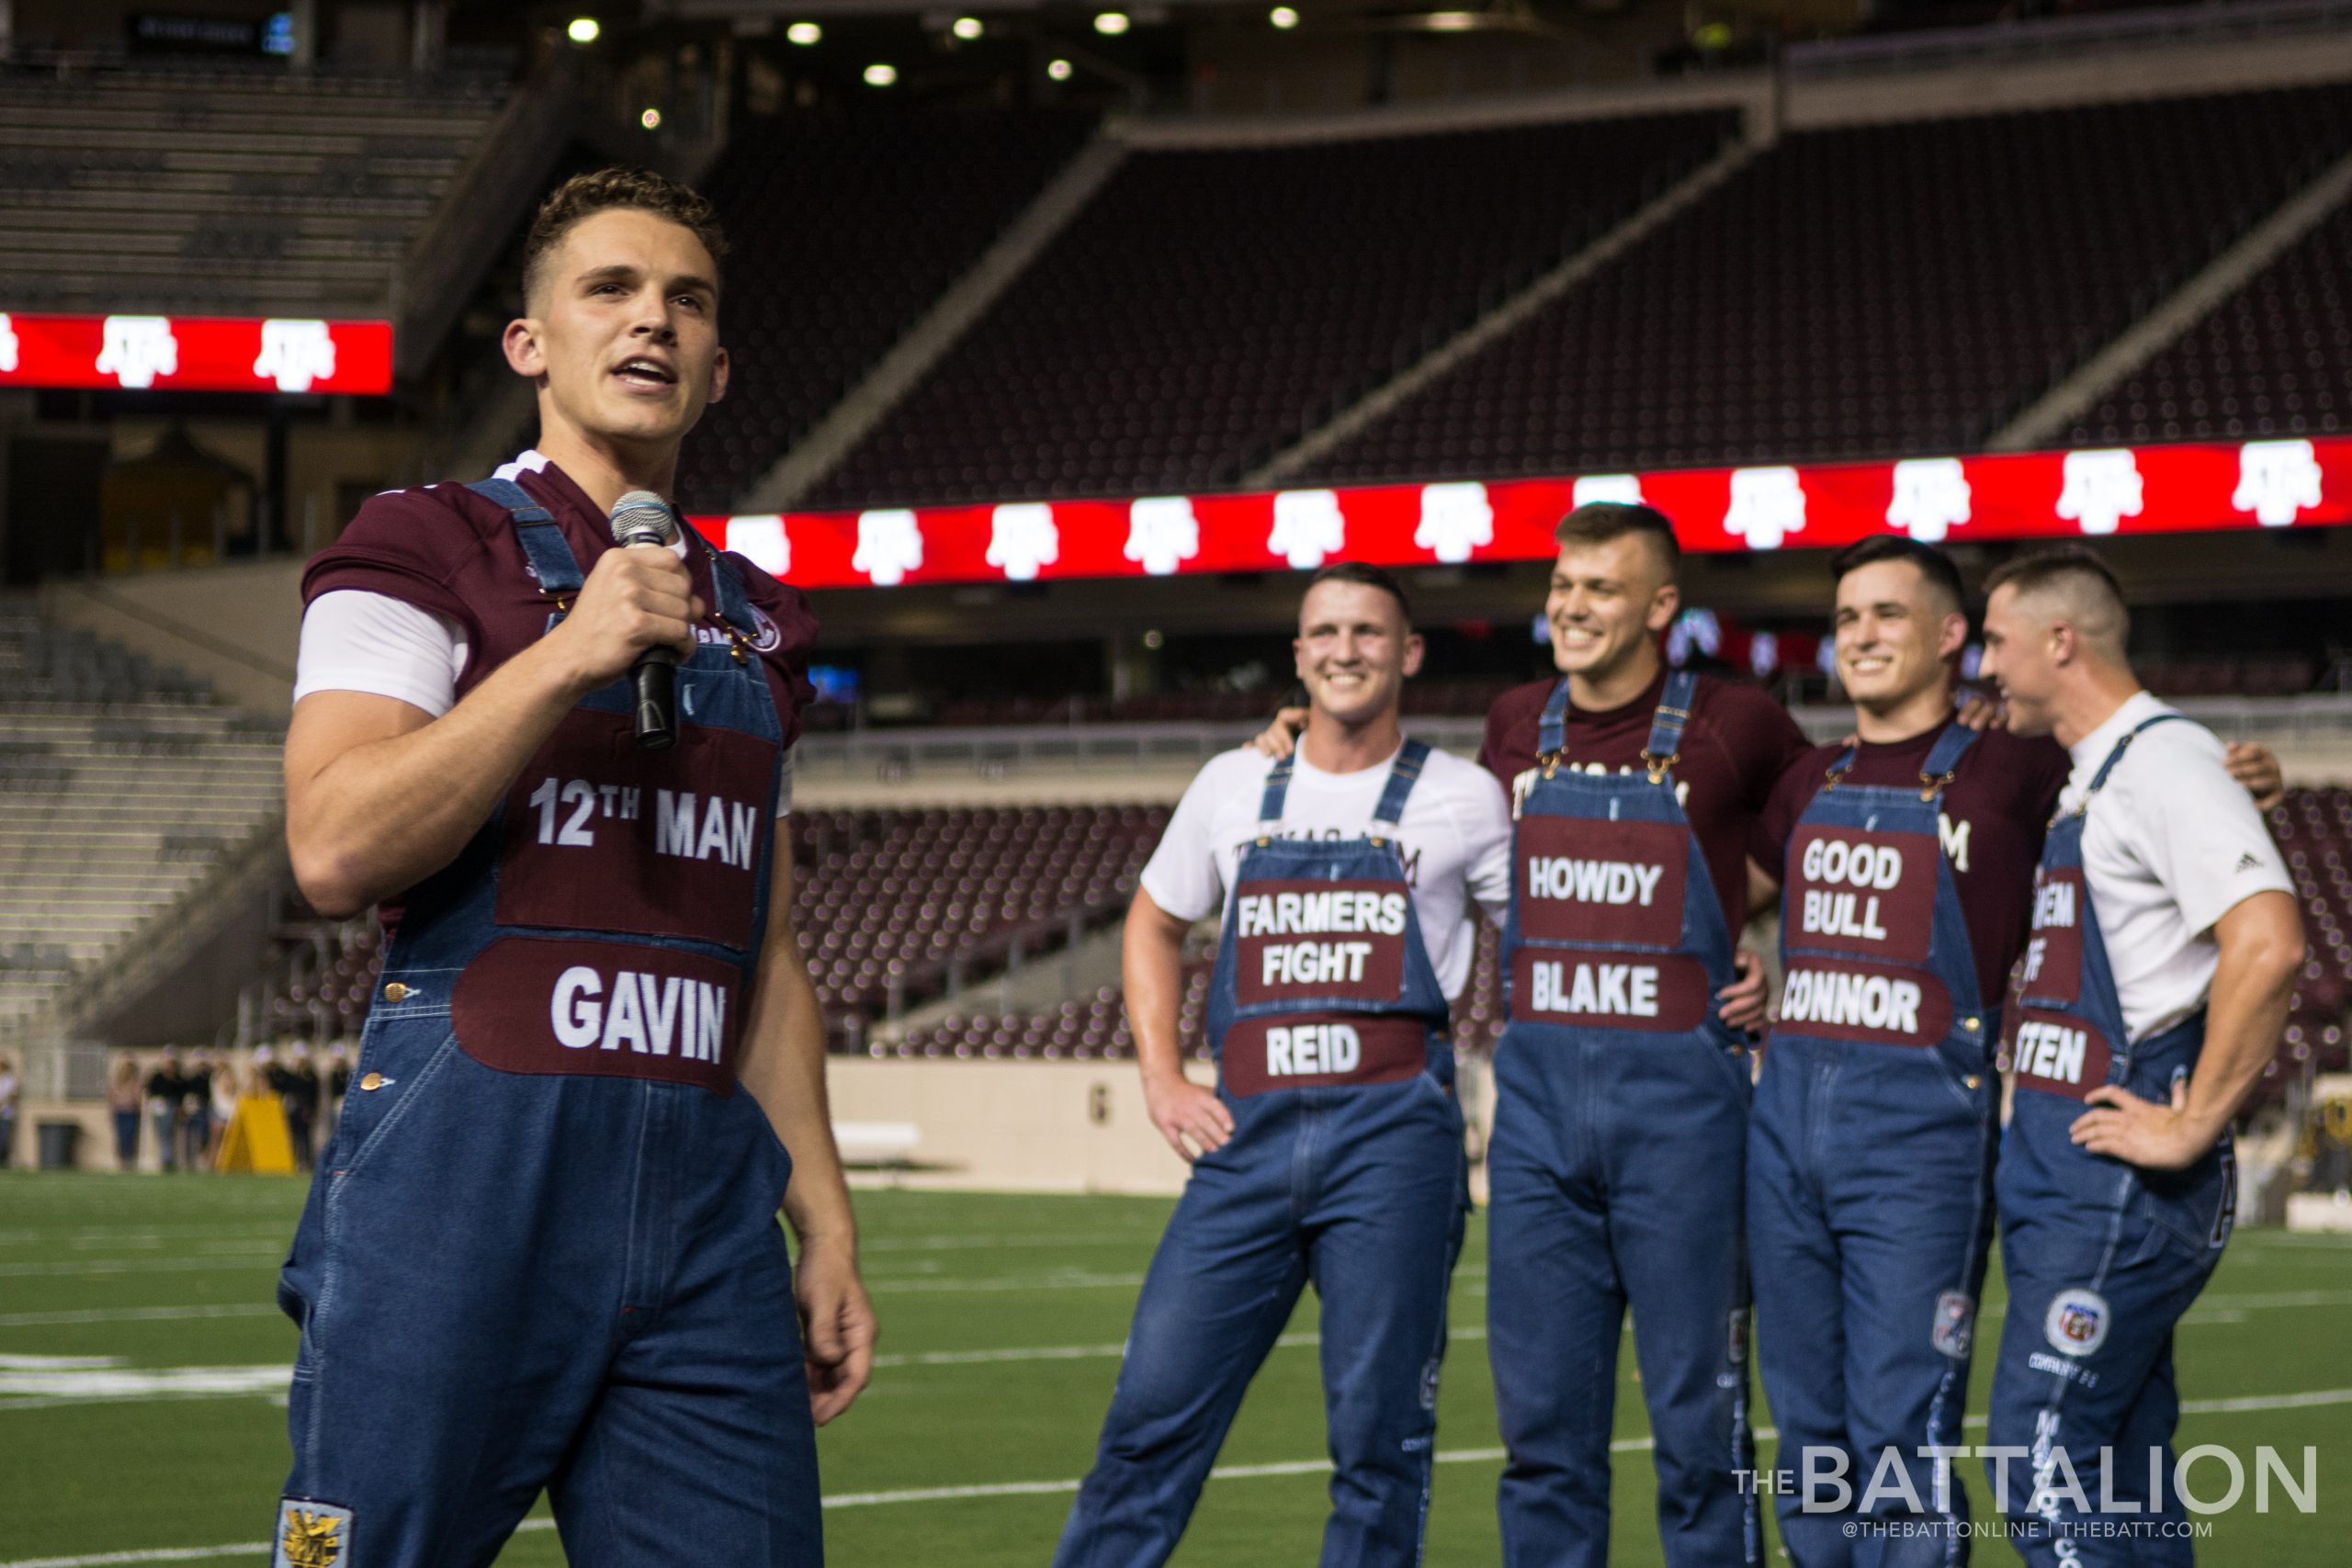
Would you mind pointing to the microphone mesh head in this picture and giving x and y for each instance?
(641, 517)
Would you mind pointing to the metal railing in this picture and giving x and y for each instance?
(2057, 37)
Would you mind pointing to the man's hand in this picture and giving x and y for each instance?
(2140, 1132)
(837, 1329)
(1192, 1119)
(1280, 738)
(1741, 1003)
(1978, 711)
(634, 599)
(2257, 768)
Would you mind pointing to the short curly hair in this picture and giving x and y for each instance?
(583, 196)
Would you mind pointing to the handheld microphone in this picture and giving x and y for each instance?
(641, 517)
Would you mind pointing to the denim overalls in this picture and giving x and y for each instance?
(1870, 1169)
(1345, 1168)
(1614, 1167)
(541, 1250)
(2102, 1258)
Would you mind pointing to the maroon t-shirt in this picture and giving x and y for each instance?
(1736, 747)
(1995, 810)
(444, 548)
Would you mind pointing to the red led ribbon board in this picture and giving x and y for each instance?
(195, 354)
(2119, 491)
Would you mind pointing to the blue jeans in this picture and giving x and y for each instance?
(126, 1138)
(1360, 1190)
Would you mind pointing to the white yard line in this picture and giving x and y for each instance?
(1224, 1473)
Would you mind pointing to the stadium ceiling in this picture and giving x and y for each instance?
(2089, 494)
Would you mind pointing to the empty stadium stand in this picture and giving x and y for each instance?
(1211, 305)
(841, 230)
(125, 787)
(2275, 360)
(1866, 290)
(2314, 829)
(228, 191)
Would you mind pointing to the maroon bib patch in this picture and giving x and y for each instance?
(1297, 941)
(2055, 1053)
(2052, 965)
(1318, 1049)
(1884, 1004)
(1870, 893)
(1659, 992)
(602, 835)
(547, 1005)
(1582, 879)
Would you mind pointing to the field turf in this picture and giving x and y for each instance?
(164, 1431)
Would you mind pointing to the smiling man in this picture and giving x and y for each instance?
(1331, 1149)
(541, 1248)
(2165, 938)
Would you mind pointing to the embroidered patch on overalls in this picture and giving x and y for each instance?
(312, 1534)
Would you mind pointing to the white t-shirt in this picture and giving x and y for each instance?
(356, 641)
(1455, 841)
(2171, 844)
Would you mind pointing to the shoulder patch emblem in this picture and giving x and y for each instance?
(771, 635)
(2077, 1322)
(312, 1535)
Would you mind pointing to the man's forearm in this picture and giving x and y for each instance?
(380, 817)
(2245, 1013)
(784, 1069)
(1151, 965)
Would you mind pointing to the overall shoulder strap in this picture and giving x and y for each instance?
(1943, 759)
(1269, 805)
(1403, 773)
(551, 559)
(1666, 724)
(2098, 781)
(734, 605)
(1552, 729)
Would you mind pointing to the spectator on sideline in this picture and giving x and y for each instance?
(302, 1094)
(163, 1093)
(227, 1085)
(8, 1109)
(196, 1100)
(122, 1099)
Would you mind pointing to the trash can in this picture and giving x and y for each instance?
(61, 1144)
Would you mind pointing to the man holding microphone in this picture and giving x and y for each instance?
(542, 1250)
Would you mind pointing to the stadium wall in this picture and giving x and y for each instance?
(235, 626)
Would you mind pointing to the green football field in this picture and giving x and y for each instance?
(142, 1375)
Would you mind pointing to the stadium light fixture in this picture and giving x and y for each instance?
(880, 74)
(584, 29)
(1058, 70)
(1111, 24)
(803, 33)
(1452, 21)
(968, 28)
(1283, 17)
(650, 120)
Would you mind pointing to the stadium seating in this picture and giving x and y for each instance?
(1869, 291)
(841, 231)
(245, 192)
(2314, 832)
(892, 908)
(123, 783)
(2274, 360)
(1209, 306)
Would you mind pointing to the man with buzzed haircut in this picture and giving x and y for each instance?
(541, 1251)
(1331, 1148)
(2164, 941)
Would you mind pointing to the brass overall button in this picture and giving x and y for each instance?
(396, 992)
(372, 1082)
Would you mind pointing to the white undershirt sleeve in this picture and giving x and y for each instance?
(356, 641)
